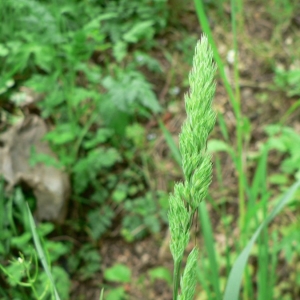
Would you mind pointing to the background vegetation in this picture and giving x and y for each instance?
(110, 78)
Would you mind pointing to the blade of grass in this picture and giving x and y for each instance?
(205, 26)
(257, 188)
(235, 278)
(101, 294)
(40, 252)
(210, 248)
(259, 181)
(263, 263)
(289, 112)
(202, 278)
(170, 141)
(223, 127)
(235, 102)
(274, 262)
(263, 246)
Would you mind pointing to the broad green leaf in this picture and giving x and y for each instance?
(116, 294)
(160, 273)
(118, 273)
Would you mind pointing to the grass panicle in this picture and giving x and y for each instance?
(196, 164)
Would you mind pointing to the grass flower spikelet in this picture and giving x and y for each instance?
(196, 165)
(200, 120)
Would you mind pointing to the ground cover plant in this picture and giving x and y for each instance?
(109, 78)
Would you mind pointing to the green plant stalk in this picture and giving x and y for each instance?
(274, 262)
(26, 270)
(205, 27)
(289, 112)
(210, 249)
(239, 125)
(234, 100)
(176, 278)
(41, 253)
(240, 9)
(169, 139)
(196, 165)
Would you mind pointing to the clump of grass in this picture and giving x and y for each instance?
(196, 165)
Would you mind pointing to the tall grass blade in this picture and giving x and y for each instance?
(101, 294)
(289, 112)
(235, 102)
(205, 26)
(235, 277)
(209, 244)
(41, 253)
(223, 127)
(170, 141)
(259, 181)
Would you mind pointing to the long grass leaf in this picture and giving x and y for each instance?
(223, 127)
(209, 244)
(205, 26)
(101, 294)
(41, 253)
(235, 277)
(169, 139)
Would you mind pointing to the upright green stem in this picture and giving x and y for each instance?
(239, 125)
(205, 27)
(234, 97)
(176, 279)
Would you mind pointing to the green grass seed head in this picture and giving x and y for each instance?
(196, 164)
(199, 123)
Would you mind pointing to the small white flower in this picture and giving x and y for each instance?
(151, 136)
(175, 91)
(20, 260)
(140, 58)
(231, 56)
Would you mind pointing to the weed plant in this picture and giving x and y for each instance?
(55, 59)
(197, 167)
(81, 62)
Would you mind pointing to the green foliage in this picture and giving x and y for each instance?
(118, 273)
(85, 63)
(121, 274)
(54, 59)
(116, 294)
(288, 81)
(88, 168)
(85, 262)
(24, 273)
(100, 220)
(285, 140)
(79, 63)
(142, 216)
(128, 22)
(160, 273)
(128, 90)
